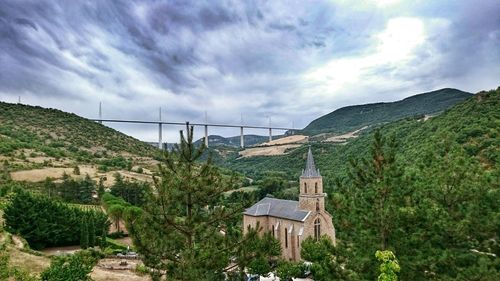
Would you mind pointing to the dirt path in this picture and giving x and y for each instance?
(103, 272)
(18, 243)
(61, 250)
(345, 137)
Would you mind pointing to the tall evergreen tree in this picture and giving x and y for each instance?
(100, 187)
(84, 233)
(369, 204)
(183, 230)
(85, 189)
(91, 227)
(49, 186)
(102, 238)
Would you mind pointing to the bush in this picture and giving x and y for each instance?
(71, 268)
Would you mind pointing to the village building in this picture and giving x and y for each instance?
(291, 222)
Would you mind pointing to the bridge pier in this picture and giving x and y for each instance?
(242, 138)
(100, 113)
(206, 135)
(160, 144)
(270, 134)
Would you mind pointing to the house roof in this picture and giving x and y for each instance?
(310, 171)
(279, 208)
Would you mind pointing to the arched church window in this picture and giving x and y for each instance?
(316, 187)
(317, 229)
(317, 205)
(305, 187)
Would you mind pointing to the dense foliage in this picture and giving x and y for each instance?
(351, 118)
(134, 192)
(184, 232)
(44, 222)
(428, 191)
(76, 267)
(73, 190)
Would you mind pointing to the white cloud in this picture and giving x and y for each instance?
(395, 45)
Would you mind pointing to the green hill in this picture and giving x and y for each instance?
(351, 118)
(435, 206)
(53, 133)
(472, 124)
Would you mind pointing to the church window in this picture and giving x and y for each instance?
(317, 229)
(273, 230)
(286, 238)
(316, 187)
(317, 205)
(298, 242)
(305, 187)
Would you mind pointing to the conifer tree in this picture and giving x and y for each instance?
(100, 187)
(85, 190)
(91, 227)
(183, 229)
(84, 233)
(49, 186)
(371, 202)
(102, 240)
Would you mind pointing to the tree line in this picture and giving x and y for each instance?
(45, 222)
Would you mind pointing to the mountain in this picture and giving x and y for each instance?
(427, 188)
(472, 125)
(54, 133)
(351, 118)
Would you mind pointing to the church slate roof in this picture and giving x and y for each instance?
(310, 170)
(279, 208)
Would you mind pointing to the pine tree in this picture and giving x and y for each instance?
(84, 233)
(183, 231)
(100, 187)
(91, 225)
(49, 186)
(370, 203)
(102, 240)
(377, 182)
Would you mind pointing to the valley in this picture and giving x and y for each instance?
(462, 137)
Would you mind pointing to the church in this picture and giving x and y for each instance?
(291, 222)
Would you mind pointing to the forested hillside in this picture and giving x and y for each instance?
(427, 190)
(351, 118)
(472, 124)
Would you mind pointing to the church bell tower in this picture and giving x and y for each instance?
(311, 196)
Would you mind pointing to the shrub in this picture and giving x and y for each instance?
(70, 268)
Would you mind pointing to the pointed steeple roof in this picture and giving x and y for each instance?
(310, 170)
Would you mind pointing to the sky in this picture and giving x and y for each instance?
(240, 61)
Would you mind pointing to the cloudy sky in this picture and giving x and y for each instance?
(291, 60)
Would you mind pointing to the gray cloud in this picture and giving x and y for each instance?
(237, 57)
